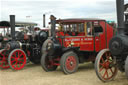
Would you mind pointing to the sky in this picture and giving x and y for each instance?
(33, 10)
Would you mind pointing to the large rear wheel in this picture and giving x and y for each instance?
(105, 66)
(69, 62)
(17, 59)
(4, 59)
(126, 67)
(48, 63)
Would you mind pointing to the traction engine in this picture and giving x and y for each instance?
(23, 46)
(5, 34)
(108, 61)
(77, 40)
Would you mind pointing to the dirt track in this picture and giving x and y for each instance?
(35, 75)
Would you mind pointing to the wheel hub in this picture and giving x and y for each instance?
(17, 59)
(70, 63)
(106, 65)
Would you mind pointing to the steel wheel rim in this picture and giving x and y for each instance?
(17, 59)
(4, 59)
(70, 63)
(105, 65)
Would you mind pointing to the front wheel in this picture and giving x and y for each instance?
(105, 66)
(48, 63)
(17, 59)
(126, 67)
(4, 59)
(69, 62)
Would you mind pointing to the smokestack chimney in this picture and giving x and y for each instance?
(44, 20)
(53, 25)
(120, 15)
(12, 24)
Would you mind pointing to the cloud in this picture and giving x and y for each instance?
(105, 9)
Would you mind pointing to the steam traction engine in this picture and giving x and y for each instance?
(21, 47)
(109, 60)
(75, 41)
(4, 34)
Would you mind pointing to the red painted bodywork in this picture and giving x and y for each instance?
(87, 43)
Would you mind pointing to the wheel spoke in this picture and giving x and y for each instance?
(13, 61)
(6, 62)
(101, 68)
(16, 65)
(2, 64)
(102, 59)
(21, 61)
(20, 55)
(13, 57)
(104, 74)
(107, 73)
(15, 54)
(101, 64)
(111, 70)
(20, 64)
(21, 58)
(107, 56)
